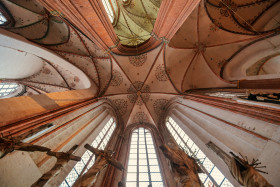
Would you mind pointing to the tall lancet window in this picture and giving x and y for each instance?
(143, 167)
(212, 175)
(88, 158)
(108, 7)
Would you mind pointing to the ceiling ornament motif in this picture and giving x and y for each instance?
(120, 105)
(161, 73)
(228, 7)
(200, 47)
(133, 20)
(209, 47)
(127, 2)
(117, 78)
(46, 70)
(44, 29)
(138, 60)
(159, 106)
(140, 117)
(156, 2)
(232, 15)
(51, 78)
(132, 98)
(35, 23)
(138, 93)
(215, 26)
(53, 74)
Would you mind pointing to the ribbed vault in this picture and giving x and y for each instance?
(140, 86)
(133, 21)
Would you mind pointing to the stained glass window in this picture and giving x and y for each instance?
(88, 158)
(143, 167)
(212, 175)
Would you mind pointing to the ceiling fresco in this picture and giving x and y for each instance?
(133, 20)
(139, 87)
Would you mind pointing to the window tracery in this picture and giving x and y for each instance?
(88, 158)
(11, 89)
(143, 167)
(212, 175)
(109, 9)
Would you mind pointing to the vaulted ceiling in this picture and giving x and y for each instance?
(133, 20)
(139, 86)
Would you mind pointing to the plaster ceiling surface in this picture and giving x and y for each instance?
(212, 40)
(267, 65)
(272, 66)
(11, 58)
(139, 87)
(32, 21)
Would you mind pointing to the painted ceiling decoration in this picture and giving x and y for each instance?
(46, 29)
(51, 78)
(139, 87)
(36, 24)
(133, 20)
(207, 49)
(248, 17)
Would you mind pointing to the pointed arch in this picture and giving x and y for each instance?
(124, 154)
(143, 166)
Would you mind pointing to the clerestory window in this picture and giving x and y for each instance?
(88, 158)
(11, 89)
(3, 19)
(108, 7)
(212, 175)
(143, 167)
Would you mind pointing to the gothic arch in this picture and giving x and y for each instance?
(118, 176)
(204, 122)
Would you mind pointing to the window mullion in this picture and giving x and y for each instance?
(143, 165)
(67, 183)
(90, 158)
(101, 141)
(138, 158)
(111, 127)
(147, 158)
(192, 153)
